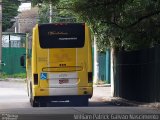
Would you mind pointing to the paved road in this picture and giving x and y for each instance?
(14, 100)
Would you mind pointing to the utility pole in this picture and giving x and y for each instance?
(0, 33)
(50, 12)
(50, 21)
(17, 25)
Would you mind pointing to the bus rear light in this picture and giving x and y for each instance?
(35, 79)
(90, 78)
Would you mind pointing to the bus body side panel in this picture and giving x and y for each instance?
(35, 87)
(84, 54)
(40, 60)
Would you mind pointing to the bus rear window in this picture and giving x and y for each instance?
(66, 35)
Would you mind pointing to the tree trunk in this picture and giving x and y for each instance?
(112, 73)
(96, 66)
(114, 80)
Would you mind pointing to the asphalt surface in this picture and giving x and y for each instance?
(14, 101)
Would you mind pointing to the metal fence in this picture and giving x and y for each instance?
(104, 66)
(13, 46)
(137, 75)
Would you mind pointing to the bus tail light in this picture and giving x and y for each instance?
(35, 79)
(90, 78)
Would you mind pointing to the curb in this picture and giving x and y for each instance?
(155, 105)
(13, 80)
(120, 102)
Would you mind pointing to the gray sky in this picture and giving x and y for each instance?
(24, 6)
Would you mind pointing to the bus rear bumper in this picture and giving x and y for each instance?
(76, 100)
(76, 91)
(61, 98)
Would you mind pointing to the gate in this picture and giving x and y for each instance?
(13, 46)
(104, 66)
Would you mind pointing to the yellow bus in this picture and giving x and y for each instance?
(59, 64)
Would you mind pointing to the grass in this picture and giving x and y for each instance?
(19, 75)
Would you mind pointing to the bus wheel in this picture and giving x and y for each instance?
(33, 101)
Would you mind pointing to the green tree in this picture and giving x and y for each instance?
(9, 9)
(119, 24)
(58, 15)
(124, 24)
(40, 2)
(129, 24)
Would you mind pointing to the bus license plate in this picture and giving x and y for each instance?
(63, 81)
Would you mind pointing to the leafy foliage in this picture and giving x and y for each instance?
(40, 2)
(59, 14)
(122, 24)
(9, 9)
(44, 13)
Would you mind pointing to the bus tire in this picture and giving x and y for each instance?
(33, 101)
